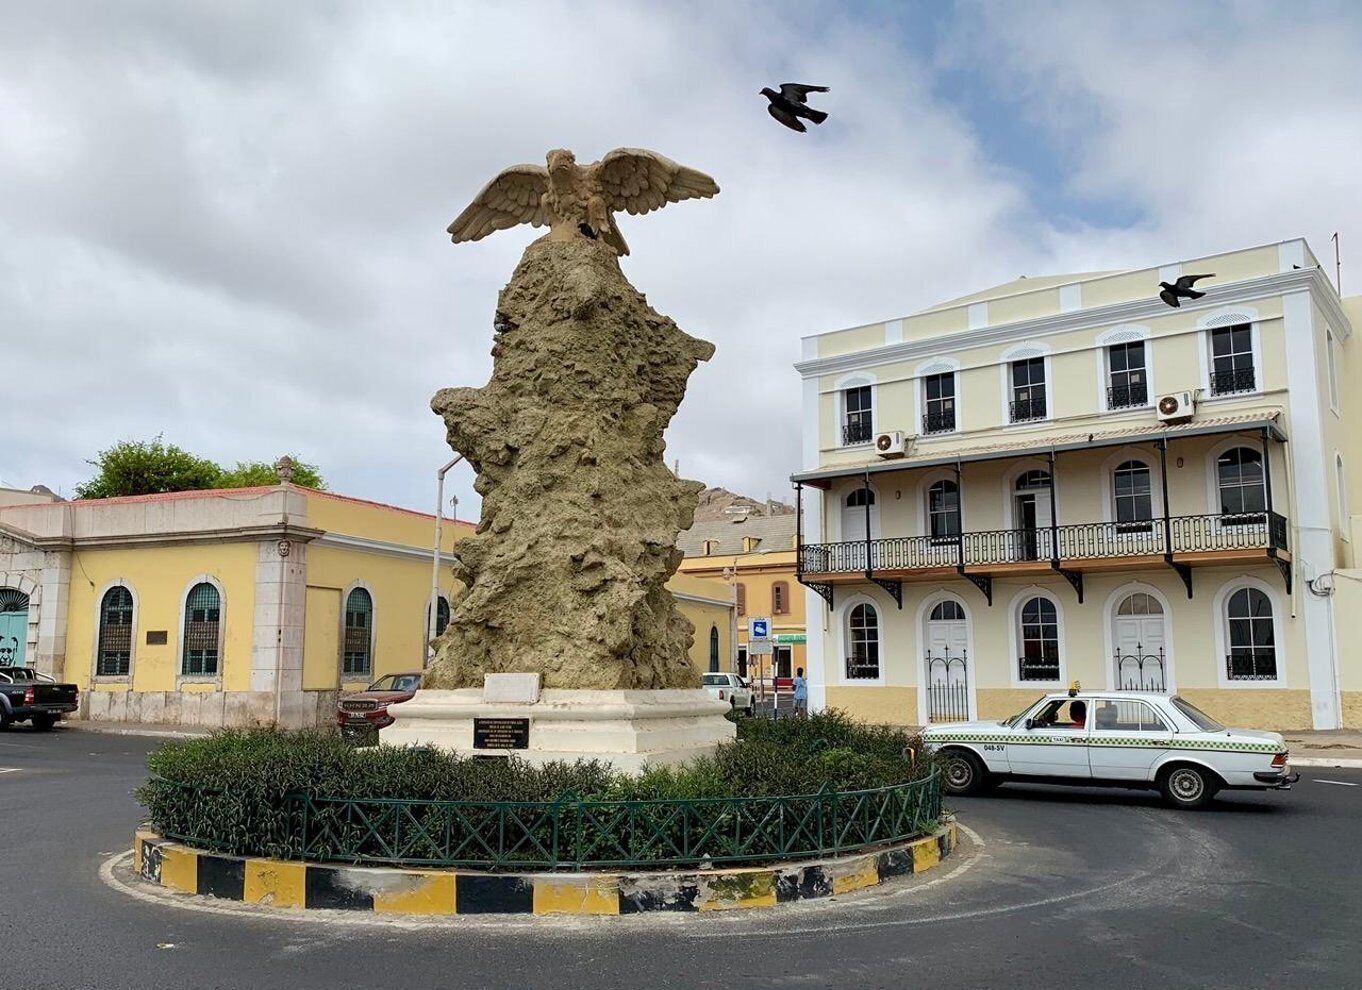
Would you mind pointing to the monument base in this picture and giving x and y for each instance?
(626, 729)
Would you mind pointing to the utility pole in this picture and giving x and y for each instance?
(434, 610)
(1338, 267)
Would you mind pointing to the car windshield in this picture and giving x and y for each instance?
(1012, 720)
(1199, 718)
(713, 679)
(397, 682)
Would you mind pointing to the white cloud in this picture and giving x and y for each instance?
(226, 222)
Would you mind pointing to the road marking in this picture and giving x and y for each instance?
(10, 769)
(1340, 783)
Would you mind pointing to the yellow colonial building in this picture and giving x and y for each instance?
(1065, 478)
(237, 607)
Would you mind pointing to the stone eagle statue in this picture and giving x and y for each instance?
(580, 201)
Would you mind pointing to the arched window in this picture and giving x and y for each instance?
(1039, 641)
(1252, 639)
(441, 615)
(113, 656)
(1140, 603)
(860, 498)
(1243, 491)
(780, 598)
(1033, 480)
(863, 643)
(359, 624)
(202, 625)
(713, 649)
(943, 510)
(740, 590)
(948, 611)
(1130, 488)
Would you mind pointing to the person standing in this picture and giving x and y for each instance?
(801, 694)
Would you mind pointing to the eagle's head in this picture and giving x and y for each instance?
(561, 161)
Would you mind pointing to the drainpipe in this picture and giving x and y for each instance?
(435, 558)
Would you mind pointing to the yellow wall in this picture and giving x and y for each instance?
(757, 572)
(159, 578)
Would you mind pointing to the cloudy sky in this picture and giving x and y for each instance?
(224, 222)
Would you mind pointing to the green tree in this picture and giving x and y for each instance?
(146, 467)
(249, 474)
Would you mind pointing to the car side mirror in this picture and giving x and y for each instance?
(1030, 723)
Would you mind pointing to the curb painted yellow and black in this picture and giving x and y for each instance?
(395, 891)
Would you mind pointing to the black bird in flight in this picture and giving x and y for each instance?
(791, 103)
(1182, 287)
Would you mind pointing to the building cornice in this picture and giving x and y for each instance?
(364, 545)
(233, 534)
(1312, 280)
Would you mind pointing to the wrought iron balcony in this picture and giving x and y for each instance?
(1265, 531)
(1231, 382)
(1045, 668)
(1022, 410)
(857, 431)
(1127, 396)
(938, 422)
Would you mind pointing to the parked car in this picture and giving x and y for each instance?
(1118, 738)
(733, 689)
(367, 711)
(29, 696)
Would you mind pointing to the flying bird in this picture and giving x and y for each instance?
(792, 102)
(576, 200)
(1182, 287)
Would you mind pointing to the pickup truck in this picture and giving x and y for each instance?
(28, 696)
(733, 689)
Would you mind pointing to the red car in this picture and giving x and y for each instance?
(367, 710)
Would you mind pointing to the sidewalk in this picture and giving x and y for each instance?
(1328, 748)
(164, 730)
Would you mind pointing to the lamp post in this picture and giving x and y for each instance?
(434, 608)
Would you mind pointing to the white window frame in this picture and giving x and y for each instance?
(1213, 505)
(1128, 333)
(1014, 610)
(1025, 352)
(1227, 317)
(95, 676)
(1010, 479)
(860, 379)
(181, 677)
(876, 525)
(844, 641)
(936, 366)
(1220, 614)
(1109, 467)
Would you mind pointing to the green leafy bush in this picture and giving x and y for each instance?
(265, 792)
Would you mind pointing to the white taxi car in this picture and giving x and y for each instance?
(1118, 738)
(733, 689)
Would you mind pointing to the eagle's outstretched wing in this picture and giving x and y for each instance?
(639, 181)
(512, 198)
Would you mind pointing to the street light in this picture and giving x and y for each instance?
(434, 608)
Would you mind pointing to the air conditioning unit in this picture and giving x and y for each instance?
(891, 444)
(1175, 407)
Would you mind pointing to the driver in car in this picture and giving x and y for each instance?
(1078, 715)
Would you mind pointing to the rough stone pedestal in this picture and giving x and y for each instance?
(623, 728)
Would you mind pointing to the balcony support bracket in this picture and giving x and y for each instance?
(1284, 566)
(981, 581)
(1183, 571)
(824, 591)
(1074, 578)
(895, 589)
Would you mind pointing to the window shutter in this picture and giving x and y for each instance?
(742, 599)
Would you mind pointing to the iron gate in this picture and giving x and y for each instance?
(1140, 672)
(948, 688)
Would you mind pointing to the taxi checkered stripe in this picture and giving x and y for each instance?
(1227, 746)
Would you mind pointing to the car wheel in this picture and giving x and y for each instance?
(44, 723)
(963, 772)
(1188, 786)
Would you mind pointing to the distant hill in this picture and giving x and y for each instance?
(714, 503)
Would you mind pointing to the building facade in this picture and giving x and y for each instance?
(253, 606)
(1065, 479)
(753, 550)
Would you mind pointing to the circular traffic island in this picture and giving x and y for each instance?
(793, 810)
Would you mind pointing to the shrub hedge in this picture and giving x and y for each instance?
(237, 791)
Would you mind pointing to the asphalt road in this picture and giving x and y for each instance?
(1068, 888)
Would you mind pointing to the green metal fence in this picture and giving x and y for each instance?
(568, 833)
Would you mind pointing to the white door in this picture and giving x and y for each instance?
(1128, 737)
(947, 680)
(853, 527)
(1138, 632)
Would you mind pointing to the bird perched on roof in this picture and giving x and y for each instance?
(580, 201)
(1183, 288)
(792, 102)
